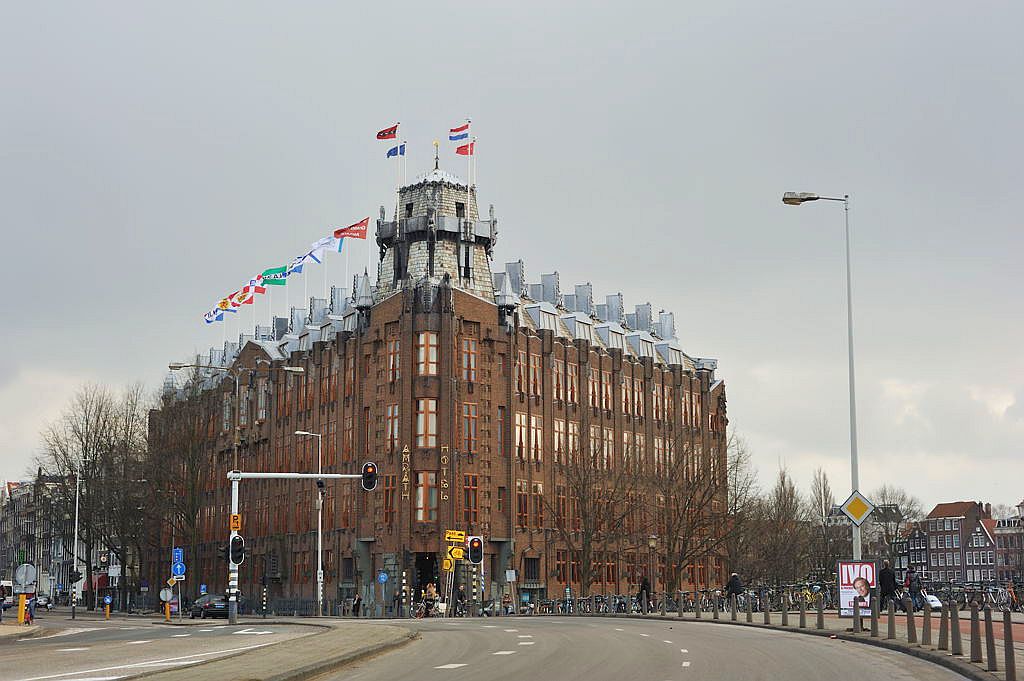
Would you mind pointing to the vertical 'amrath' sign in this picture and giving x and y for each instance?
(406, 466)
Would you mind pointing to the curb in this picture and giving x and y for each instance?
(955, 664)
(19, 633)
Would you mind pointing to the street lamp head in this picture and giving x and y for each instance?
(295, 370)
(796, 198)
(303, 432)
(175, 366)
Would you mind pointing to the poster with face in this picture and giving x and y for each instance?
(857, 581)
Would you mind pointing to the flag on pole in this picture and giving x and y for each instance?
(256, 285)
(243, 296)
(356, 231)
(338, 243)
(224, 305)
(275, 276)
(388, 133)
(459, 133)
(214, 315)
(466, 149)
(397, 151)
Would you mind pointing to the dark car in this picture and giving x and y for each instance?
(213, 605)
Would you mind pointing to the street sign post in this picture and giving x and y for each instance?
(447, 565)
(172, 581)
(857, 508)
(457, 552)
(166, 594)
(236, 522)
(202, 589)
(178, 569)
(177, 555)
(455, 536)
(382, 577)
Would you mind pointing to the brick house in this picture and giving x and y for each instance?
(1009, 534)
(953, 528)
(469, 388)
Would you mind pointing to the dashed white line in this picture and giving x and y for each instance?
(99, 678)
(135, 643)
(525, 636)
(70, 650)
(504, 652)
(453, 665)
(489, 626)
(206, 630)
(647, 635)
(668, 642)
(510, 631)
(686, 664)
(619, 629)
(180, 635)
(683, 651)
(526, 643)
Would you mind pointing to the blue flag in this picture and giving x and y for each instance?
(397, 151)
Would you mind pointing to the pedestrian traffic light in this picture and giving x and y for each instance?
(369, 481)
(476, 550)
(237, 549)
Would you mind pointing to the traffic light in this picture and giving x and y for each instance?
(75, 576)
(476, 550)
(237, 549)
(222, 552)
(369, 481)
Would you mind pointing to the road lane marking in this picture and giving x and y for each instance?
(683, 650)
(66, 632)
(526, 643)
(504, 652)
(206, 630)
(686, 664)
(668, 642)
(70, 650)
(489, 626)
(453, 665)
(647, 635)
(180, 635)
(135, 643)
(525, 636)
(511, 631)
(619, 629)
(250, 630)
(143, 664)
(98, 678)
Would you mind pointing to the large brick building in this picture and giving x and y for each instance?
(470, 389)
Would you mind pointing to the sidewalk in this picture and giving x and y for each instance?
(10, 630)
(341, 642)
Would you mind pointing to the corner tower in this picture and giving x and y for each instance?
(437, 233)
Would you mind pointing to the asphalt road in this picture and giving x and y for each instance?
(98, 650)
(563, 649)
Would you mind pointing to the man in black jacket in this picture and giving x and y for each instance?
(734, 587)
(886, 585)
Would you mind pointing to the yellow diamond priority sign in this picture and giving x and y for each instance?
(857, 508)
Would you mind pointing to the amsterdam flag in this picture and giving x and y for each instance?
(388, 133)
(465, 149)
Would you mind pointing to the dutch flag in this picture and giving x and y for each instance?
(459, 133)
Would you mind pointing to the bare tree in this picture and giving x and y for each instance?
(743, 507)
(784, 541)
(895, 509)
(830, 540)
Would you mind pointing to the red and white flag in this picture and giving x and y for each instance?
(466, 149)
(356, 231)
(388, 133)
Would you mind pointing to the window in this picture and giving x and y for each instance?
(559, 441)
(426, 496)
(538, 504)
(470, 508)
(606, 390)
(558, 378)
(627, 396)
(522, 503)
(608, 448)
(226, 413)
(502, 496)
(501, 430)
(561, 564)
(956, 541)
(460, 209)
(535, 374)
(389, 499)
(426, 422)
(469, 433)
(572, 445)
(536, 438)
(346, 439)
(521, 372)
(393, 360)
(627, 448)
(470, 355)
(594, 386)
(426, 354)
(561, 506)
(531, 569)
(521, 436)
(408, 210)
(391, 427)
(571, 383)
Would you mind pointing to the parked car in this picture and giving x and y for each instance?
(214, 605)
(43, 601)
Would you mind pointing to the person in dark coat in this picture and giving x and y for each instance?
(734, 587)
(886, 584)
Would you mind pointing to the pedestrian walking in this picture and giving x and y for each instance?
(356, 603)
(30, 610)
(886, 585)
(913, 584)
(734, 587)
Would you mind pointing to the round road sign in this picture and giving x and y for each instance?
(382, 577)
(25, 574)
(166, 594)
(107, 600)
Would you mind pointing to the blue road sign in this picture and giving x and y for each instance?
(178, 569)
(202, 588)
(382, 577)
(107, 600)
(177, 555)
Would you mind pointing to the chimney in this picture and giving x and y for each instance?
(988, 510)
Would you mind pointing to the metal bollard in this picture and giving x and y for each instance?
(820, 621)
(990, 641)
(954, 629)
(643, 602)
(975, 633)
(750, 608)
(1009, 661)
(890, 625)
(944, 627)
(875, 605)
(732, 607)
(911, 622)
(856, 616)
(803, 614)
(926, 625)
(714, 604)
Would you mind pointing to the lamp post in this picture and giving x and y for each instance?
(235, 372)
(74, 551)
(652, 544)
(319, 521)
(796, 199)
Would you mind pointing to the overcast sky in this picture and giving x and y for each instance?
(155, 155)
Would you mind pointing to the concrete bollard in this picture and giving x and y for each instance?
(643, 602)
(766, 608)
(890, 624)
(714, 604)
(682, 596)
(990, 641)
(926, 625)
(1009, 661)
(944, 627)
(954, 629)
(664, 597)
(820, 620)
(750, 608)
(911, 622)
(593, 605)
(732, 607)
(785, 612)
(875, 604)
(856, 615)
(697, 604)
(803, 614)
(975, 633)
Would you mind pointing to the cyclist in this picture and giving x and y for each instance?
(460, 601)
(734, 587)
(429, 598)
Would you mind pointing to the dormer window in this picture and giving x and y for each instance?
(460, 210)
(408, 210)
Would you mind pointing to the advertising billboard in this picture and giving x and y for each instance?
(857, 580)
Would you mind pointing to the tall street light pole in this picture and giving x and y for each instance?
(319, 521)
(796, 199)
(232, 566)
(74, 551)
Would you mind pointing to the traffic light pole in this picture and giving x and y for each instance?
(237, 476)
